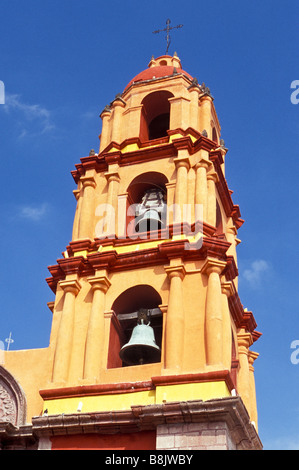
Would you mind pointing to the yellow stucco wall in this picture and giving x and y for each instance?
(32, 370)
(124, 401)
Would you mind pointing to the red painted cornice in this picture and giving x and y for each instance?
(243, 319)
(159, 255)
(96, 390)
(104, 260)
(209, 246)
(131, 387)
(71, 265)
(231, 270)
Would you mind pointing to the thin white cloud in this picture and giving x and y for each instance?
(89, 115)
(282, 443)
(254, 274)
(34, 212)
(32, 118)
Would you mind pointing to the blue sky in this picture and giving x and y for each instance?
(62, 61)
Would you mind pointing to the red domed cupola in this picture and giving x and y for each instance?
(161, 67)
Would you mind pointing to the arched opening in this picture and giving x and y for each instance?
(147, 203)
(155, 115)
(136, 305)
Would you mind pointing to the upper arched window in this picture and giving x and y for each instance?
(155, 116)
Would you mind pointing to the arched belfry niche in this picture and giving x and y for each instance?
(12, 400)
(146, 191)
(127, 307)
(155, 115)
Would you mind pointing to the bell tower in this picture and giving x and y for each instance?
(150, 341)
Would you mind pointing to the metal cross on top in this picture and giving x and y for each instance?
(167, 29)
(9, 341)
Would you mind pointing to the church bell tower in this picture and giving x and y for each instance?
(150, 344)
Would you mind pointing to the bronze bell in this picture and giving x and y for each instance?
(149, 221)
(150, 211)
(142, 347)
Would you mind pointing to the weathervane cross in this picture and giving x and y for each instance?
(9, 341)
(167, 29)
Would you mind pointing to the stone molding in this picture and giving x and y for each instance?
(230, 411)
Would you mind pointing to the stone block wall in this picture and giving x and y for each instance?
(194, 436)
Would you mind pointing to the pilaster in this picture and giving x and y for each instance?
(113, 179)
(95, 339)
(201, 186)
(182, 164)
(227, 291)
(71, 288)
(244, 342)
(87, 209)
(213, 315)
(206, 103)
(175, 318)
(252, 356)
(118, 106)
(212, 179)
(105, 135)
